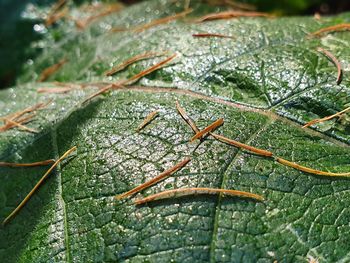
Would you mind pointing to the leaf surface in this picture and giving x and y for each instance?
(266, 83)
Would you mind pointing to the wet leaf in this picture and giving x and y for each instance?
(265, 83)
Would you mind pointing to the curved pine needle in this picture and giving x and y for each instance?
(55, 90)
(41, 163)
(208, 129)
(82, 24)
(231, 14)
(160, 21)
(149, 70)
(310, 170)
(155, 180)
(14, 123)
(101, 91)
(203, 35)
(186, 118)
(118, 29)
(195, 191)
(131, 80)
(59, 4)
(17, 118)
(147, 120)
(24, 119)
(51, 70)
(335, 62)
(54, 12)
(242, 145)
(25, 200)
(56, 16)
(132, 60)
(37, 106)
(326, 118)
(330, 29)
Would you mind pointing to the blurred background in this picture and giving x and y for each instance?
(18, 32)
(288, 7)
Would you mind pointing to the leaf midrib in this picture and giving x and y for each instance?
(60, 197)
(222, 186)
(237, 106)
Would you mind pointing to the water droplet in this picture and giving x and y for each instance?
(39, 28)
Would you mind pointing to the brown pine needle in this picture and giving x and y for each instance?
(132, 60)
(109, 87)
(208, 129)
(18, 118)
(25, 200)
(120, 84)
(54, 10)
(56, 16)
(41, 163)
(14, 123)
(186, 118)
(82, 24)
(155, 180)
(56, 90)
(147, 120)
(63, 87)
(58, 5)
(195, 191)
(51, 70)
(231, 14)
(326, 118)
(335, 62)
(330, 29)
(36, 107)
(310, 170)
(149, 70)
(203, 35)
(131, 80)
(103, 90)
(160, 21)
(118, 29)
(242, 145)
(9, 123)
(39, 106)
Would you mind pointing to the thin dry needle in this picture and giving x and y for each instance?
(330, 29)
(147, 120)
(310, 170)
(120, 84)
(242, 145)
(186, 118)
(207, 129)
(41, 163)
(195, 191)
(132, 60)
(155, 180)
(25, 200)
(335, 62)
(326, 118)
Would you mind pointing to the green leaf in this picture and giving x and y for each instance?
(266, 83)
